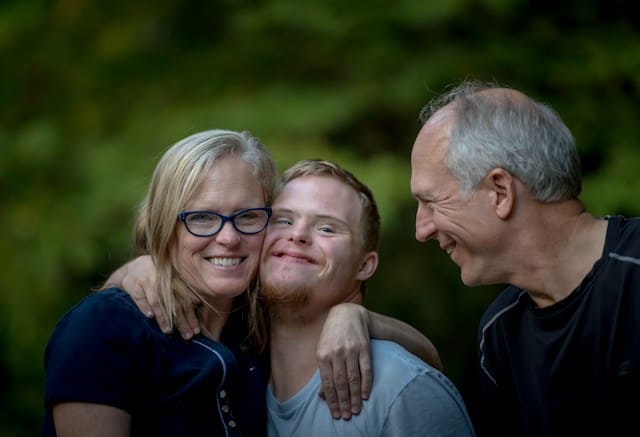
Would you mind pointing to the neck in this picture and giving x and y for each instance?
(293, 352)
(213, 318)
(556, 250)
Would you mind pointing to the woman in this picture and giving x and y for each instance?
(111, 371)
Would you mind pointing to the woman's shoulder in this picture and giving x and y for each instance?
(109, 310)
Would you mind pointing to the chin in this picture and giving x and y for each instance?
(468, 279)
(228, 290)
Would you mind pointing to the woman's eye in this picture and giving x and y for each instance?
(202, 217)
(325, 229)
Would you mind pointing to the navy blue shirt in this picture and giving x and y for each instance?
(572, 368)
(105, 351)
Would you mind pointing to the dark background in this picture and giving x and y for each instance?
(93, 92)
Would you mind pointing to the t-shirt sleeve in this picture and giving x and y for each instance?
(428, 405)
(96, 353)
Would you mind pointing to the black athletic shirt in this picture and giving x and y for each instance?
(572, 368)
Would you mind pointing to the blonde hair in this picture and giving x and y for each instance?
(175, 180)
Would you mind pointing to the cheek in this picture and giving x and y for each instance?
(189, 244)
(339, 261)
(254, 245)
(185, 246)
(270, 237)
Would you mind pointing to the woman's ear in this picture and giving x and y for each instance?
(501, 185)
(368, 266)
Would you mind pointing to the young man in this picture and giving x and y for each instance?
(497, 178)
(319, 250)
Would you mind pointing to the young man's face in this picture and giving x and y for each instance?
(313, 253)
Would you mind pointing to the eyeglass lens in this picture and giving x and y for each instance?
(208, 223)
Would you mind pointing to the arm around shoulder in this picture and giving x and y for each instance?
(388, 328)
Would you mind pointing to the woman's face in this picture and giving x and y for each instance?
(221, 267)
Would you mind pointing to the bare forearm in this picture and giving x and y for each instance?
(78, 419)
(388, 328)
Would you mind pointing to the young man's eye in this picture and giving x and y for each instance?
(280, 221)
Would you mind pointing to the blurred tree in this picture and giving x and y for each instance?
(93, 92)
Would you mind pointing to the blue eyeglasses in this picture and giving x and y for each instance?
(208, 223)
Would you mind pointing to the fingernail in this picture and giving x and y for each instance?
(336, 415)
(149, 314)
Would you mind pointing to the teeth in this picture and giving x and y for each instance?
(225, 262)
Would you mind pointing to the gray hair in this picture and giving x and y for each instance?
(509, 131)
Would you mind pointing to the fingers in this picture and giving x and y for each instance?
(138, 293)
(327, 390)
(341, 384)
(353, 379)
(343, 388)
(366, 374)
(141, 302)
(344, 360)
(186, 321)
(151, 295)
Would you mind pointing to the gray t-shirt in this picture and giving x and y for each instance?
(408, 398)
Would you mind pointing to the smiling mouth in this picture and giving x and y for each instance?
(225, 262)
(448, 249)
(293, 257)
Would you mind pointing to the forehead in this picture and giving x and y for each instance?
(229, 180)
(320, 195)
(428, 156)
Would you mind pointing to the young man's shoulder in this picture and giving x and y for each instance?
(394, 366)
(413, 397)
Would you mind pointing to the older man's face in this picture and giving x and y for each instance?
(458, 222)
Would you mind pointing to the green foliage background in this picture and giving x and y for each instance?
(92, 93)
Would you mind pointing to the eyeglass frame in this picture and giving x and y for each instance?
(225, 218)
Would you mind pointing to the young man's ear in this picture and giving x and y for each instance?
(368, 266)
(502, 188)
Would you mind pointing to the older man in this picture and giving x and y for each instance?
(497, 178)
(320, 248)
